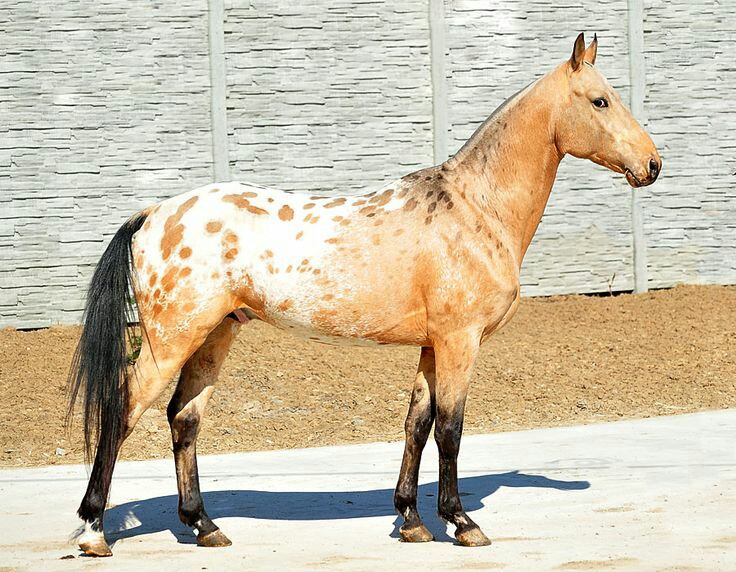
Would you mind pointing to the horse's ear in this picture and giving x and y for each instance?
(591, 51)
(578, 52)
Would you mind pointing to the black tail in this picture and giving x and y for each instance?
(99, 365)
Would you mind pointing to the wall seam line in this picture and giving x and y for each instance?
(218, 83)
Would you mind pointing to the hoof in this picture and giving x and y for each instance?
(472, 537)
(415, 534)
(95, 547)
(213, 539)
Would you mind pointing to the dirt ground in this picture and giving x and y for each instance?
(562, 360)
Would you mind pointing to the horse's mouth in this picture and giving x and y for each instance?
(636, 182)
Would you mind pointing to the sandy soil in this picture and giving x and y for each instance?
(562, 360)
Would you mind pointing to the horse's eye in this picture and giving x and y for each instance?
(600, 102)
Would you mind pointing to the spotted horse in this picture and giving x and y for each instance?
(430, 260)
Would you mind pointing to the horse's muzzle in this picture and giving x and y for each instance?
(654, 168)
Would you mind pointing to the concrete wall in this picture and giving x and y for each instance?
(495, 49)
(690, 215)
(106, 107)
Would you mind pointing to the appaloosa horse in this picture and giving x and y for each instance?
(431, 260)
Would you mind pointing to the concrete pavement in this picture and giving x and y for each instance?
(654, 494)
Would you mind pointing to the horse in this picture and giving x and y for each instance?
(430, 260)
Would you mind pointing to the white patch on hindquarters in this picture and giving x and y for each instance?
(235, 234)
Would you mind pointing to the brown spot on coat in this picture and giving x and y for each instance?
(286, 213)
(241, 201)
(299, 234)
(214, 226)
(173, 229)
(152, 279)
(308, 206)
(185, 252)
(410, 205)
(169, 278)
(285, 305)
(383, 198)
(230, 254)
(335, 203)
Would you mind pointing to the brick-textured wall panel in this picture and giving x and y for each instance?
(105, 109)
(690, 214)
(328, 96)
(495, 49)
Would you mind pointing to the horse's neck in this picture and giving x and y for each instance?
(511, 162)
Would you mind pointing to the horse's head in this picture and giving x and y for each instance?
(593, 123)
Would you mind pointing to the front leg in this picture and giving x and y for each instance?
(454, 358)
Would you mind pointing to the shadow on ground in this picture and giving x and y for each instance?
(160, 513)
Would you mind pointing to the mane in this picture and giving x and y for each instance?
(490, 124)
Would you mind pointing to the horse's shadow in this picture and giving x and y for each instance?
(160, 513)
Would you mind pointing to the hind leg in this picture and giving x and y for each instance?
(418, 425)
(185, 412)
(156, 366)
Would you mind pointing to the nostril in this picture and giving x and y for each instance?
(653, 168)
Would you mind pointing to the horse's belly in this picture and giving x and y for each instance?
(306, 331)
(335, 316)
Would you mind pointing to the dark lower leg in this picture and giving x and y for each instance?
(185, 411)
(454, 359)
(418, 425)
(184, 429)
(448, 431)
(92, 508)
(147, 381)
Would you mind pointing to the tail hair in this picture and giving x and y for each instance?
(99, 366)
